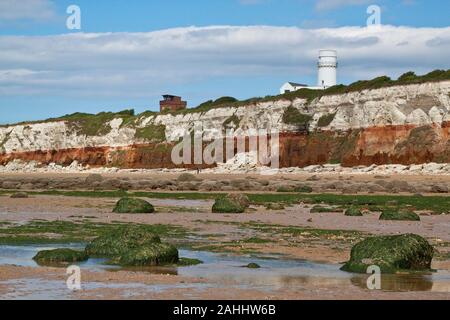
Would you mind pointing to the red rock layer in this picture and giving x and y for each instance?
(406, 144)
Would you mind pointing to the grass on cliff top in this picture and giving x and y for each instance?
(436, 204)
(70, 232)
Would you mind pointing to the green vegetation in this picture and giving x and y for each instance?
(435, 204)
(234, 121)
(231, 203)
(59, 256)
(133, 205)
(299, 189)
(95, 124)
(256, 240)
(293, 116)
(227, 205)
(152, 132)
(391, 254)
(253, 265)
(325, 120)
(46, 232)
(399, 215)
(321, 209)
(132, 246)
(184, 262)
(353, 212)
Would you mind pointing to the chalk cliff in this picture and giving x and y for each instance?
(406, 124)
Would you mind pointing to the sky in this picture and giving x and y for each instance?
(128, 53)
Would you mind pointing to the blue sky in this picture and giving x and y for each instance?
(128, 53)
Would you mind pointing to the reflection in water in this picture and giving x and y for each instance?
(399, 282)
(224, 270)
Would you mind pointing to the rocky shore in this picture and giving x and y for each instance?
(397, 179)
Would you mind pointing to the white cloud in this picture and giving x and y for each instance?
(36, 10)
(143, 64)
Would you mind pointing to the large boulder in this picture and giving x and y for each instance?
(59, 256)
(231, 203)
(399, 215)
(391, 254)
(133, 246)
(133, 205)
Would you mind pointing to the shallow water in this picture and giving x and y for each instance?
(221, 270)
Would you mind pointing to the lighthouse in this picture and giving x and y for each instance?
(327, 65)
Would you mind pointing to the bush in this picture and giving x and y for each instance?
(391, 254)
(408, 76)
(223, 100)
(152, 132)
(293, 116)
(325, 120)
(133, 205)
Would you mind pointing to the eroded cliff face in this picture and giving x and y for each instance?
(402, 124)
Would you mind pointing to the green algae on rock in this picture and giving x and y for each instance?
(399, 215)
(231, 203)
(391, 254)
(133, 246)
(60, 256)
(133, 205)
(353, 212)
(253, 265)
(322, 209)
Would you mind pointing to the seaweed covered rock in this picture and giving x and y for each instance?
(132, 246)
(60, 256)
(391, 254)
(149, 255)
(353, 212)
(253, 265)
(231, 203)
(399, 215)
(133, 205)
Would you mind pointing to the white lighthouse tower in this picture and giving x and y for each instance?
(327, 68)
